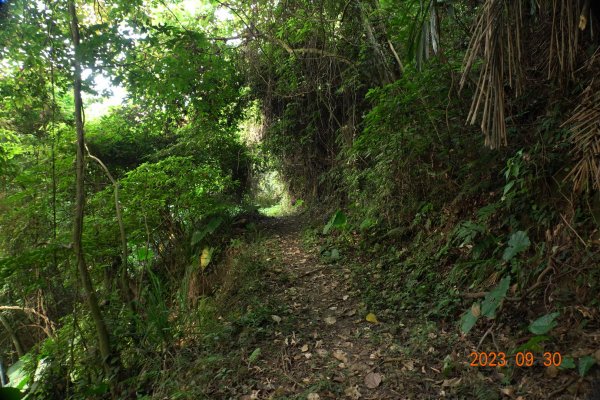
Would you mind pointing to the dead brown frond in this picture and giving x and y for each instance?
(564, 39)
(497, 39)
(584, 125)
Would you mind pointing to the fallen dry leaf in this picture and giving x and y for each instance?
(352, 392)
(340, 356)
(508, 391)
(329, 320)
(322, 352)
(409, 365)
(304, 348)
(372, 380)
(253, 396)
(313, 396)
(276, 318)
(451, 382)
(551, 371)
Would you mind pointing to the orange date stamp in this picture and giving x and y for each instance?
(519, 359)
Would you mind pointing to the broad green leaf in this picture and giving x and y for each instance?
(585, 364)
(494, 298)
(144, 254)
(367, 223)
(208, 229)
(567, 363)
(519, 241)
(507, 188)
(469, 318)
(254, 356)
(335, 254)
(544, 324)
(299, 203)
(532, 344)
(338, 220)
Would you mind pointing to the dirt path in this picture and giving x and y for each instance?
(326, 348)
(319, 343)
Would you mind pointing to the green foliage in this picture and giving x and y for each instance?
(519, 242)
(467, 231)
(493, 299)
(468, 321)
(210, 227)
(254, 356)
(567, 363)
(337, 221)
(7, 393)
(544, 324)
(585, 364)
(533, 344)
(123, 141)
(514, 174)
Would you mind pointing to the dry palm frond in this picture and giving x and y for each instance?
(497, 39)
(584, 125)
(564, 39)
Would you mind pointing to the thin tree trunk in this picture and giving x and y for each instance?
(13, 335)
(86, 280)
(126, 294)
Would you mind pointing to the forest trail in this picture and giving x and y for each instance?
(326, 348)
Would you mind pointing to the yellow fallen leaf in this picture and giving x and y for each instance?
(206, 257)
(372, 318)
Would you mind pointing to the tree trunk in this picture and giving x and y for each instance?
(86, 280)
(13, 335)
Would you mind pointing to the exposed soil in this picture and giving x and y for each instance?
(331, 344)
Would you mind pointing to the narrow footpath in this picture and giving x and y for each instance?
(328, 344)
